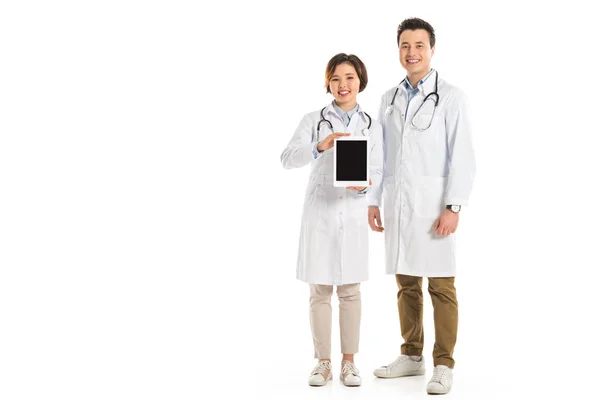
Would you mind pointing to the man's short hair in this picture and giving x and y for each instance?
(412, 24)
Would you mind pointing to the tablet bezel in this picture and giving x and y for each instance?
(337, 183)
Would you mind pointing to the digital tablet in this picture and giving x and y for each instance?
(351, 161)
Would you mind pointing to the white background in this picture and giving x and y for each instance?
(148, 233)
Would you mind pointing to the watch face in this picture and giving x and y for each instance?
(456, 208)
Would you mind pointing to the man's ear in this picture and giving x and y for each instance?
(433, 50)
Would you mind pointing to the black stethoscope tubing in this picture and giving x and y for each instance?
(323, 119)
(434, 93)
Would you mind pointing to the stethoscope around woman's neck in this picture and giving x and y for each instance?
(390, 108)
(365, 131)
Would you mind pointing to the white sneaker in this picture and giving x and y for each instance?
(441, 381)
(401, 366)
(349, 374)
(321, 374)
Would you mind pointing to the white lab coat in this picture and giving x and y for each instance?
(333, 246)
(424, 171)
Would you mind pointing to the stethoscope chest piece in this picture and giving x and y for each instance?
(388, 110)
(366, 132)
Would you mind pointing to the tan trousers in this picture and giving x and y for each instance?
(445, 316)
(320, 318)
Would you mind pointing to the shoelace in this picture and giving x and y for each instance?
(349, 368)
(438, 374)
(321, 367)
(397, 361)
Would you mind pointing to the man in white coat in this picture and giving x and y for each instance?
(428, 175)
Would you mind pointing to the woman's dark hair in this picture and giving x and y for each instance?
(351, 59)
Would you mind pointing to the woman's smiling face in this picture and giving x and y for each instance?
(344, 85)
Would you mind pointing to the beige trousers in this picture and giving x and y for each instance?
(320, 318)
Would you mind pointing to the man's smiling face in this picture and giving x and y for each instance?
(415, 52)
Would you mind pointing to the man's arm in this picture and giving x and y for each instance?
(461, 156)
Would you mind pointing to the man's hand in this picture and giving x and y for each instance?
(327, 143)
(446, 224)
(375, 219)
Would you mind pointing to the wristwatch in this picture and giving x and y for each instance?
(453, 208)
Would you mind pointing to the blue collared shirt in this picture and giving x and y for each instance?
(413, 91)
(346, 116)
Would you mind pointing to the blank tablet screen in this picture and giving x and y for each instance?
(351, 160)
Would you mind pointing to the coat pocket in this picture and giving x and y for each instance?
(423, 121)
(429, 196)
(312, 192)
(315, 189)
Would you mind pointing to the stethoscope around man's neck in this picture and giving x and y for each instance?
(390, 108)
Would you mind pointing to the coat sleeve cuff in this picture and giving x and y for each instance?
(455, 201)
(373, 202)
(316, 153)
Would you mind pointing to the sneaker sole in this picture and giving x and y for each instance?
(415, 373)
(434, 391)
(320, 384)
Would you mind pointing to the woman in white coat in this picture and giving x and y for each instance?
(333, 247)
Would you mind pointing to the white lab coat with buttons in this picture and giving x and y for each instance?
(423, 172)
(333, 246)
